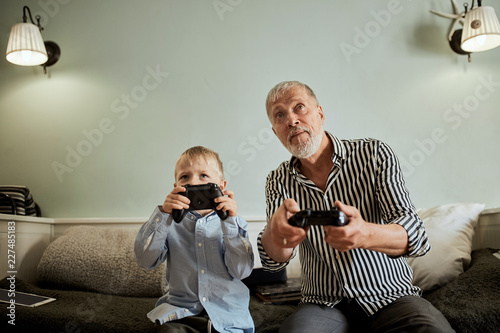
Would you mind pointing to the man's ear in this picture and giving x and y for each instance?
(321, 113)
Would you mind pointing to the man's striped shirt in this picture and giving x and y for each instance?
(366, 174)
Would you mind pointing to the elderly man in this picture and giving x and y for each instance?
(355, 278)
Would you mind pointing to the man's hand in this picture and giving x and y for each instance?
(390, 239)
(350, 236)
(280, 238)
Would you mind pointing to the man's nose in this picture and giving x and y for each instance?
(292, 119)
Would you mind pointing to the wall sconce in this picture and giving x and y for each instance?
(26, 46)
(481, 29)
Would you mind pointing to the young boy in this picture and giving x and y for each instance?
(206, 257)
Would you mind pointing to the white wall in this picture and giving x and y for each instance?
(379, 68)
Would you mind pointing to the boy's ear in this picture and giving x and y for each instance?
(223, 184)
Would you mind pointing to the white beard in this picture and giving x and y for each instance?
(304, 148)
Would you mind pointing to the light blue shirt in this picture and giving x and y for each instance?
(206, 260)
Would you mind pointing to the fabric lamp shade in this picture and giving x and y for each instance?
(481, 30)
(26, 46)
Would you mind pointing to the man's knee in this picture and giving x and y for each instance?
(410, 314)
(315, 318)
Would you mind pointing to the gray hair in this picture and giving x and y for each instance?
(281, 88)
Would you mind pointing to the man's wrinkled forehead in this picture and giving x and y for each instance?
(290, 95)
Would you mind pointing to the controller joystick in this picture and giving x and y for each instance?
(308, 217)
(201, 197)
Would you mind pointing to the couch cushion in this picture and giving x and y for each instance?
(450, 229)
(99, 259)
(471, 301)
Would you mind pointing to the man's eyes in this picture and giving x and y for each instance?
(279, 117)
(301, 108)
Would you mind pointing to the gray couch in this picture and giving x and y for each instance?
(98, 288)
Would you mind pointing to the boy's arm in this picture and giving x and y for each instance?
(150, 245)
(238, 253)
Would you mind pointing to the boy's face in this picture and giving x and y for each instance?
(198, 171)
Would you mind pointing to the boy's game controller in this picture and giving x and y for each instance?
(201, 197)
(309, 217)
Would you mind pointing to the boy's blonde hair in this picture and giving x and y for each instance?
(209, 155)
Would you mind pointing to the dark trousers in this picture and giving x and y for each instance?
(408, 314)
(193, 324)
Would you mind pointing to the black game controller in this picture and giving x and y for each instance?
(308, 217)
(202, 197)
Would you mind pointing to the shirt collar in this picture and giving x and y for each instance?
(198, 216)
(339, 152)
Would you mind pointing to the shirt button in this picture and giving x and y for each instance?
(157, 220)
(204, 299)
(186, 310)
(200, 244)
(202, 271)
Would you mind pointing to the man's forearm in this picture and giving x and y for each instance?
(391, 239)
(273, 250)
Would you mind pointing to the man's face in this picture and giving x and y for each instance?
(297, 121)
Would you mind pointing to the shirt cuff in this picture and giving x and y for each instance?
(418, 243)
(157, 221)
(267, 262)
(234, 225)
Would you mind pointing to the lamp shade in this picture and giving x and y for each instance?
(481, 30)
(25, 46)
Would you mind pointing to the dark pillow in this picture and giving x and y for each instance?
(471, 303)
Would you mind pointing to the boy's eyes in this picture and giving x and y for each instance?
(186, 177)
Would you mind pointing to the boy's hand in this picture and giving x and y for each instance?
(175, 200)
(227, 203)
